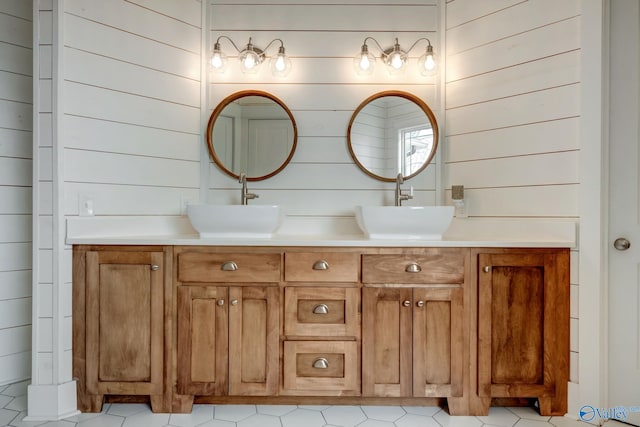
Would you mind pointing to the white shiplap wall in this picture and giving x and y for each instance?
(119, 124)
(15, 189)
(132, 105)
(512, 131)
(322, 92)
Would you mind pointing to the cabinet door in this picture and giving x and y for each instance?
(202, 340)
(386, 342)
(253, 340)
(523, 348)
(124, 322)
(437, 342)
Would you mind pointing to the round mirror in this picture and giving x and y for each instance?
(251, 132)
(392, 133)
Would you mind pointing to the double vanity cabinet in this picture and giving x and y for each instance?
(457, 326)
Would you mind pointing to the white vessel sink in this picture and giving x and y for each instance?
(234, 221)
(404, 222)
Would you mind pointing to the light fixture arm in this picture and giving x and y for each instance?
(364, 44)
(216, 46)
(416, 42)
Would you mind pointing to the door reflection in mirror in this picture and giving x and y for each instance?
(251, 132)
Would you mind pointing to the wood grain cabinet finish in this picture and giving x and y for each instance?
(523, 326)
(119, 325)
(356, 325)
(414, 342)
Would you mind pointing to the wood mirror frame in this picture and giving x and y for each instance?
(421, 106)
(217, 112)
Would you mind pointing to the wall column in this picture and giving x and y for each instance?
(52, 393)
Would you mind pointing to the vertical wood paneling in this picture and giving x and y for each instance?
(15, 189)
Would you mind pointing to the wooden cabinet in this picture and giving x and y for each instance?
(321, 346)
(414, 340)
(523, 326)
(413, 317)
(227, 325)
(356, 325)
(119, 325)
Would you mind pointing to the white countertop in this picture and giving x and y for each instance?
(468, 232)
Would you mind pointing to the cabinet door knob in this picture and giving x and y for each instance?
(406, 303)
(420, 303)
(414, 267)
(321, 363)
(155, 267)
(321, 265)
(234, 302)
(486, 269)
(229, 266)
(221, 302)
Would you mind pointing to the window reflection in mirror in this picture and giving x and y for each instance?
(392, 132)
(251, 132)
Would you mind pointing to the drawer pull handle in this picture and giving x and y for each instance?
(155, 267)
(321, 309)
(486, 269)
(221, 302)
(420, 303)
(234, 302)
(406, 303)
(321, 363)
(413, 268)
(229, 266)
(321, 265)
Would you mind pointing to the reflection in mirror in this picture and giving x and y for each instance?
(392, 132)
(251, 132)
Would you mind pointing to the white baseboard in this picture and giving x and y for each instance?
(51, 402)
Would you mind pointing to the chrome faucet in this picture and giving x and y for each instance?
(400, 196)
(244, 192)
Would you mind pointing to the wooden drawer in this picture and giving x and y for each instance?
(322, 368)
(321, 311)
(432, 266)
(228, 268)
(321, 267)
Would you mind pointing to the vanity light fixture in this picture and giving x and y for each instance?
(395, 58)
(251, 57)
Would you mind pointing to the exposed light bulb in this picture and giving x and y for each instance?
(364, 63)
(396, 61)
(429, 63)
(216, 60)
(249, 62)
(280, 64)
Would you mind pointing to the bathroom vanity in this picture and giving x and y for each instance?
(356, 323)
(477, 318)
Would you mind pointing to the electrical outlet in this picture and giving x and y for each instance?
(85, 205)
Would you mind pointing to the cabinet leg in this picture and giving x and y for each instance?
(182, 404)
(474, 405)
(160, 404)
(90, 403)
(553, 406)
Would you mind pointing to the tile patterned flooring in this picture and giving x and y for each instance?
(13, 406)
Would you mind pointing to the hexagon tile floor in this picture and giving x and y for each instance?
(13, 405)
